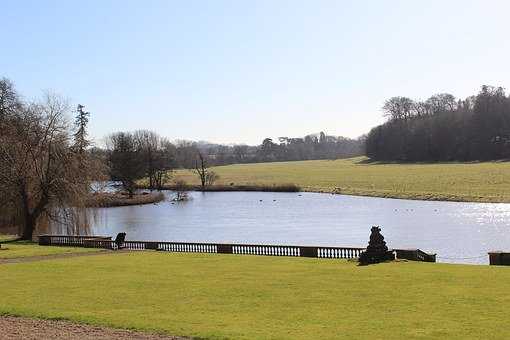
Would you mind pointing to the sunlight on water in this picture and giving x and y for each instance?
(457, 232)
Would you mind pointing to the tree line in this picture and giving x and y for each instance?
(443, 128)
(184, 154)
(139, 154)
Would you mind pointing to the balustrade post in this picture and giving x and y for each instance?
(308, 252)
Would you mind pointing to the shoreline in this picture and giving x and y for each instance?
(227, 188)
(430, 197)
(435, 197)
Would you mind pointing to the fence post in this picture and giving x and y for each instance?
(151, 245)
(44, 240)
(499, 258)
(308, 251)
(224, 249)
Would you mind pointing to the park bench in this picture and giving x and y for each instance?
(119, 240)
(106, 242)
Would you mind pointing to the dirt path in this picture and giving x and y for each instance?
(57, 256)
(32, 329)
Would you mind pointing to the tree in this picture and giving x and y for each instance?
(41, 175)
(10, 102)
(240, 152)
(268, 149)
(158, 156)
(126, 164)
(80, 136)
(185, 153)
(211, 177)
(444, 129)
(442, 102)
(398, 108)
(207, 176)
(181, 190)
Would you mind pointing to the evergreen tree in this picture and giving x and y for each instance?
(80, 136)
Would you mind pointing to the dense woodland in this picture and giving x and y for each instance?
(443, 128)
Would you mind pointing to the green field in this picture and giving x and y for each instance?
(25, 249)
(256, 297)
(477, 182)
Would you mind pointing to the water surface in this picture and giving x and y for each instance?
(457, 232)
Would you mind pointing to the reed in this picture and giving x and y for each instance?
(106, 200)
(243, 187)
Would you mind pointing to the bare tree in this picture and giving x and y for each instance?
(206, 175)
(181, 190)
(126, 164)
(398, 108)
(158, 156)
(240, 152)
(40, 173)
(442, 102)
(211, 177)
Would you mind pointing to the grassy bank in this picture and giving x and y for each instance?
(477, 182)
(232, 187)
(105, 200)
(17, 249)
(257, 297)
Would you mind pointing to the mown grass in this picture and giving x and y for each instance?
(4, 238)
(255, 297)
(477, 182)
(25, 249)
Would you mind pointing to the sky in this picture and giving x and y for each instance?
(239, 71)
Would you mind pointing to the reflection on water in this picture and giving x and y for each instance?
(458, 232)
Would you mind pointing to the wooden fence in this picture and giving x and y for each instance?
(189, 247)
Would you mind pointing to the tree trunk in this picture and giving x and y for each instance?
(131, 190)
(202, 179)
(28, 228)
(28, 218)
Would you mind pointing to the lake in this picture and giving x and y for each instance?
(457, 232)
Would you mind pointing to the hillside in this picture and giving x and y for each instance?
(476, 182)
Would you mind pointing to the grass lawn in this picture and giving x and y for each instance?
(257, 297)
(479, 182)
(6, 237)
(24, 249)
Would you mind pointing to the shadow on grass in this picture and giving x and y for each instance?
(16, 240)
(369, 161)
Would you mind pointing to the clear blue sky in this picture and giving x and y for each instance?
(238, 71)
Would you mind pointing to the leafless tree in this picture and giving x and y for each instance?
(240, 152)
(41, 175)
(211, 177)
(158, 156)
(181, 190)
(125, 160)
(206, 175)
(398, 108)
(442, 102)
